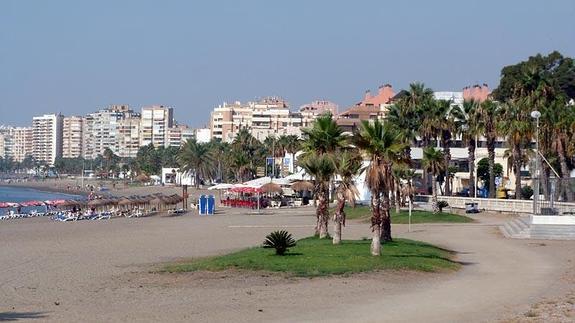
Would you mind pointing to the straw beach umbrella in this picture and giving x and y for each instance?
(302, 186)
(271, 188)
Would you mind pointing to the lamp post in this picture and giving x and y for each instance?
(536, 115)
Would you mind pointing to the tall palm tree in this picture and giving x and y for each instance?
(434, 163)
(488, 112)
(470, 130)
(322, 168)
(383, 145)
(562, 119)
(448, 120)
(323, 139)
(417, 102)
(348, 166)
(198, 159)
(515, 125)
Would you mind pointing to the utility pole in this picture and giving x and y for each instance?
(536, 115)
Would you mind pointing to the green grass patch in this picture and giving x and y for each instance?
(315, 257)
(363, 212)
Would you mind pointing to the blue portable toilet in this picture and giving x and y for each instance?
(203, 205)
(211, 204)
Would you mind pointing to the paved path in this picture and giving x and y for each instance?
(97, 271)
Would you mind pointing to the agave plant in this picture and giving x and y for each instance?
(280, 241)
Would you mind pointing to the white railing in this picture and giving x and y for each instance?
(501, 205)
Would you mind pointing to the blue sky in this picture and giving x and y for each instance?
(76, 56)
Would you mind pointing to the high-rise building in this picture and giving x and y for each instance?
(129, 136)
(269, 116)
(103, 129)
(21, 143)
(47, 138)
(154, 125)
(3, 140)
(72, 137)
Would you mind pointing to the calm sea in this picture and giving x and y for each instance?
(20, 194)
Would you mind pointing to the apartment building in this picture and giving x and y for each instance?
(178, 135)
(128, 130)
(154, 125)
(22, 144)
(268, 116)
(72, 137)
(47, 138)
(103, 130)
(370, 108)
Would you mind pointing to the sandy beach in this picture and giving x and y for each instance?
(95, 271)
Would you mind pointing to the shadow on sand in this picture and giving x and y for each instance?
(15, 316)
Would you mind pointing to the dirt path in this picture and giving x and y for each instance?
(99, 271)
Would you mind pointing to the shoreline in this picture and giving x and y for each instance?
(47, 189)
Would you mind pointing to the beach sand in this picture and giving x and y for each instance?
(106, 271)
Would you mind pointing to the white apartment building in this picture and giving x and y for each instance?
(72, 137)
(129, 136)
(47, 137)
(269, 116)
(155, 122)
(103, 130)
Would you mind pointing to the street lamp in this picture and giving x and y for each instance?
(536, 115)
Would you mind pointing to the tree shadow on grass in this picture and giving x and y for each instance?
(15, 316)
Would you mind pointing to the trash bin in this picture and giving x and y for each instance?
(211, 205)
(472, 207)
(203, 205)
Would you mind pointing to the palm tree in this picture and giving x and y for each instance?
(384, 146)
(325, 136)
(323, 139)
(516, 125)
(416, 104)
(398, 172)
(198, 159)
(241, 165)
(562, 121)
(322, 168)
(470, 130)
(434, 162)
(348, 166)
(488, 112)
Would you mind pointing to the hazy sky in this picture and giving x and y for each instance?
(76, 56)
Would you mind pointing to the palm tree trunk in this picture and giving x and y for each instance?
(491, 153)
(323, 212)
(517, 169)
(385, 216)
(447, 157)
(397, 197)
(434, 205)
(338, 218)
(565, 187)
(375, 224)
(471, 165)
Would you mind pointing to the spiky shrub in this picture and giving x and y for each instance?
(280, 241)
(441, 205)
